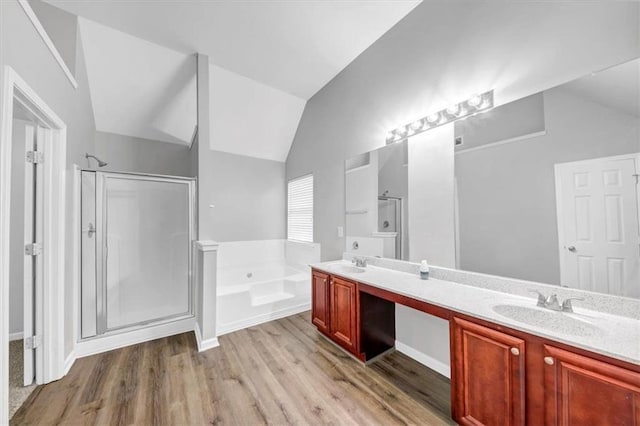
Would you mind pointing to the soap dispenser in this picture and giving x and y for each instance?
(424, 270)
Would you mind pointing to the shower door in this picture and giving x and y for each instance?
(143, 233)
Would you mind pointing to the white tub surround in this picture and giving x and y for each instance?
(206, 258)
(598, 331)
(259, 281)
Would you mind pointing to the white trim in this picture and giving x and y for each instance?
(116, 341)
(16, 336)
(260, 319)
(355, 169)
(502, 142)
(204, 344)
(424, 359)
(51, 320)
(47, 41)
(379, 234)
(68, 363)
(75, 252)
(205, 245)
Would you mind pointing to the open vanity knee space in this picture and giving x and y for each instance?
(551, 368)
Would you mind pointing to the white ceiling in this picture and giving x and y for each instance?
(616, 87)
(251, 118)
(139, 88)
(294, 46)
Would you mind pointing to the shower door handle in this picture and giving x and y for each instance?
(90, 230)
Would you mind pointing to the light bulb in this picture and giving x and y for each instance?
(475, 101)
(433, 118)
(417, 125)
(454, 109)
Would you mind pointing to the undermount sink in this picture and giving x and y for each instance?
(550, 320)
(345, 269)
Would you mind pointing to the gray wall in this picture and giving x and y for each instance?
(131, 154)
(513, 120)
(26, 53)
(442, 52)
(507, 204)
(248, 195)
(61, 27)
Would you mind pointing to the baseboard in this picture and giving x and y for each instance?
(68, 363)
(260, 319)
(204, 344)
(116, 341)
(424, 359)
(16, 336)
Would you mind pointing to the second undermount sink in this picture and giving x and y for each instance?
(345, 269)
(547, 319)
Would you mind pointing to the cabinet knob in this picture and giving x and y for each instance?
(515, 351)
(549, 360)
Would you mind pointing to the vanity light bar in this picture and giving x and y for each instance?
(473, 105)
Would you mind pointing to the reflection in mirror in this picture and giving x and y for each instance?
(547, 186)
(376, 186)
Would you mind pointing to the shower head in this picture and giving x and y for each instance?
(100, 162)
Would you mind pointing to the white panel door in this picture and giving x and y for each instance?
(598, 225)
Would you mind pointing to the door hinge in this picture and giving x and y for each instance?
(637, 176)
(33, 249)
(32, 342)
(35, 157)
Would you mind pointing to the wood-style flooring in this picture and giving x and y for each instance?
(281, 372)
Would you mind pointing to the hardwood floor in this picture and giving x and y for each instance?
(281, 372)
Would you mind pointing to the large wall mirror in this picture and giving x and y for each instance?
(545, 188)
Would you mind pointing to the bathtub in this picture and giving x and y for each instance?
(259, 281)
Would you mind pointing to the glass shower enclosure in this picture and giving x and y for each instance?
(136, 251)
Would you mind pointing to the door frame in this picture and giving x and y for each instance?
(560, 213)
(14, 88)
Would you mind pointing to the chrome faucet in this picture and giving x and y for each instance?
(552, 302)
(566, 304)
(359, 261)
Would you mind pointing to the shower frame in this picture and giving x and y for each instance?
(100, 242)
(398, 202)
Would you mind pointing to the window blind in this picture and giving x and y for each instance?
(300, 209)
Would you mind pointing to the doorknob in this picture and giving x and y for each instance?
(572, 249)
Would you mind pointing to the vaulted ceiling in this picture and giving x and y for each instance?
(294, 46)
(268, 58)
(616, 87)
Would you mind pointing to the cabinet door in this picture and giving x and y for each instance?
(320, 301)
(583, 391)
(487, 375)
(343, 320)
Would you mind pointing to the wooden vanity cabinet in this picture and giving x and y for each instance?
(580, 390)
(320, 301)
(487, 375)
(506, 377)
(499, 376)
(361, 323)
(343, 319)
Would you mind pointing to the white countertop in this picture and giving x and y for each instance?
(611, 335)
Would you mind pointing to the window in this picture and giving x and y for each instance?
(300, 209)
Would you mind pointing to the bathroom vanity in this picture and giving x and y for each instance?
(548, 368)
